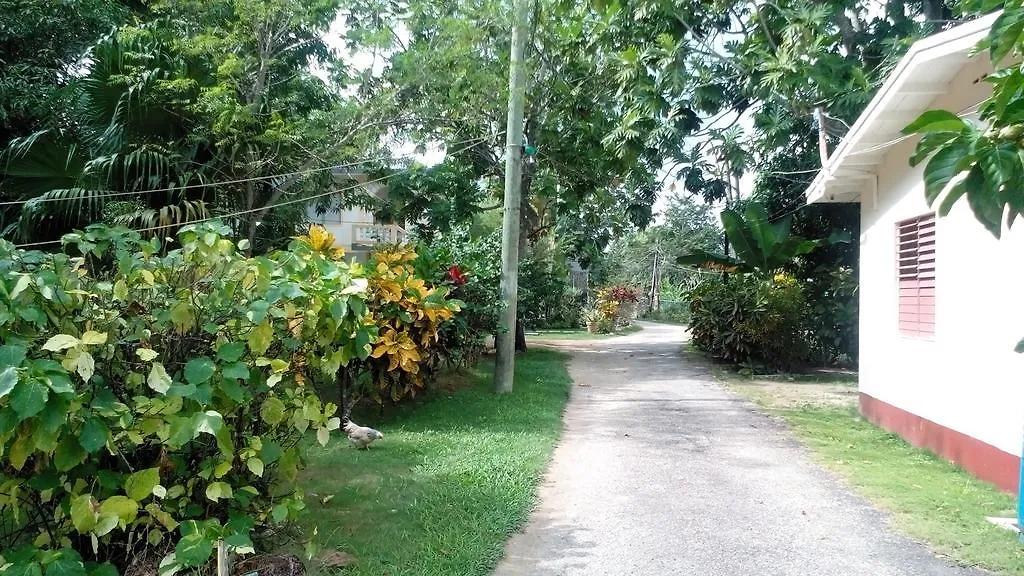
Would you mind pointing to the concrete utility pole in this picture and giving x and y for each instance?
(504, 365)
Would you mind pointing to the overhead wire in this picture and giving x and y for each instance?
(266, 208)
(238, 180)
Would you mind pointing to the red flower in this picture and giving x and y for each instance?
(456, 275)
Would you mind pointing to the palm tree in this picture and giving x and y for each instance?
(123, 150)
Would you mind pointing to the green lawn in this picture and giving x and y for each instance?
(450, 481)
(579, 334)
(927, 498)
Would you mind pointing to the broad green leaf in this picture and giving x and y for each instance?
(140, 485)
(193, 550)
(260, 338)
(159, 491)
(29, 398)
(93, 435)
(20, 450)
(257, 312)
(230, 388)
(54, 415)
(24, 569)
(209, 422)
(935, 121)
(159, 380)
(224, 442)
(255, 465)
(120, 290)
(105, 523)
(60, 342)
(217, 490)
(703, 259)
(237, 370)
(24, 281)
(942, 167)
(11, 355)
(199, 370)
(59, 383)
(66, 563)
(85, 366)
(182, 317)
(270, 452)
(272, 411)
(123, 507)
(93, 338)
(8, 378)
(983, 198)
(279, 513)
(240, 543)
(339, 308)
(742, 239)
(83, 513)
(1005, 33)
(182, 431)
(69, 454)
(929, 143)
(231, 351)
(955, 193)
(763, 232)
(146, 354)
(323, 436)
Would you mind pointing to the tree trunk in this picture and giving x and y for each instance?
(520, 337)
(935, 10)
(848, 34)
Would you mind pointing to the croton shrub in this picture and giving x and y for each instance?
(153, 402)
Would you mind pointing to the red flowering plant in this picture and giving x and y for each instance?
(469, 269)
(456, 276)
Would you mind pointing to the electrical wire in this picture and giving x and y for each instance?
(262, 208)
(237, 181)
(966, 111)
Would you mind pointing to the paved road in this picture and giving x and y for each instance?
(662, 472)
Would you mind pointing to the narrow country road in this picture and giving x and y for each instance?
(660, 471)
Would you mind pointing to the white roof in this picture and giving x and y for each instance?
(922, 75)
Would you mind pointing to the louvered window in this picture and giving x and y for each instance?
(916, 257)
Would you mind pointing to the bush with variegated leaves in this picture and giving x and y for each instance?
(153, 402)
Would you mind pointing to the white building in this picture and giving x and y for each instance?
(356, 229)
(940, 308)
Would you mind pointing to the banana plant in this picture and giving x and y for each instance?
(761, 246)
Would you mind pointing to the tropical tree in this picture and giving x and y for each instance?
(205, 109)
(761, 246)
(981, 160)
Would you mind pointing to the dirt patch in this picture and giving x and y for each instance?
(781, 394)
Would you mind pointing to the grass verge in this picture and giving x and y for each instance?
(926, 497)
(452, 479)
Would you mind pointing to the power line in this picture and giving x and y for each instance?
(232, 182)
(263, 208)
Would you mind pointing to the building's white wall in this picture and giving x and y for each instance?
(340, 223)
(967, 377)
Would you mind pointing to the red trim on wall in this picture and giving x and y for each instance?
(980, 459)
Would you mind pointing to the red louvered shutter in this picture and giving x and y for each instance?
(915, 255)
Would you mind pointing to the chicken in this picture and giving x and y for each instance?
(360, 436)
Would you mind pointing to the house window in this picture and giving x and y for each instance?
(916, 260)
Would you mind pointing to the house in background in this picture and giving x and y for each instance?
(940, 309)
(356, 229)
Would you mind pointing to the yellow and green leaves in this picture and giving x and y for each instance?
(182, 383)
